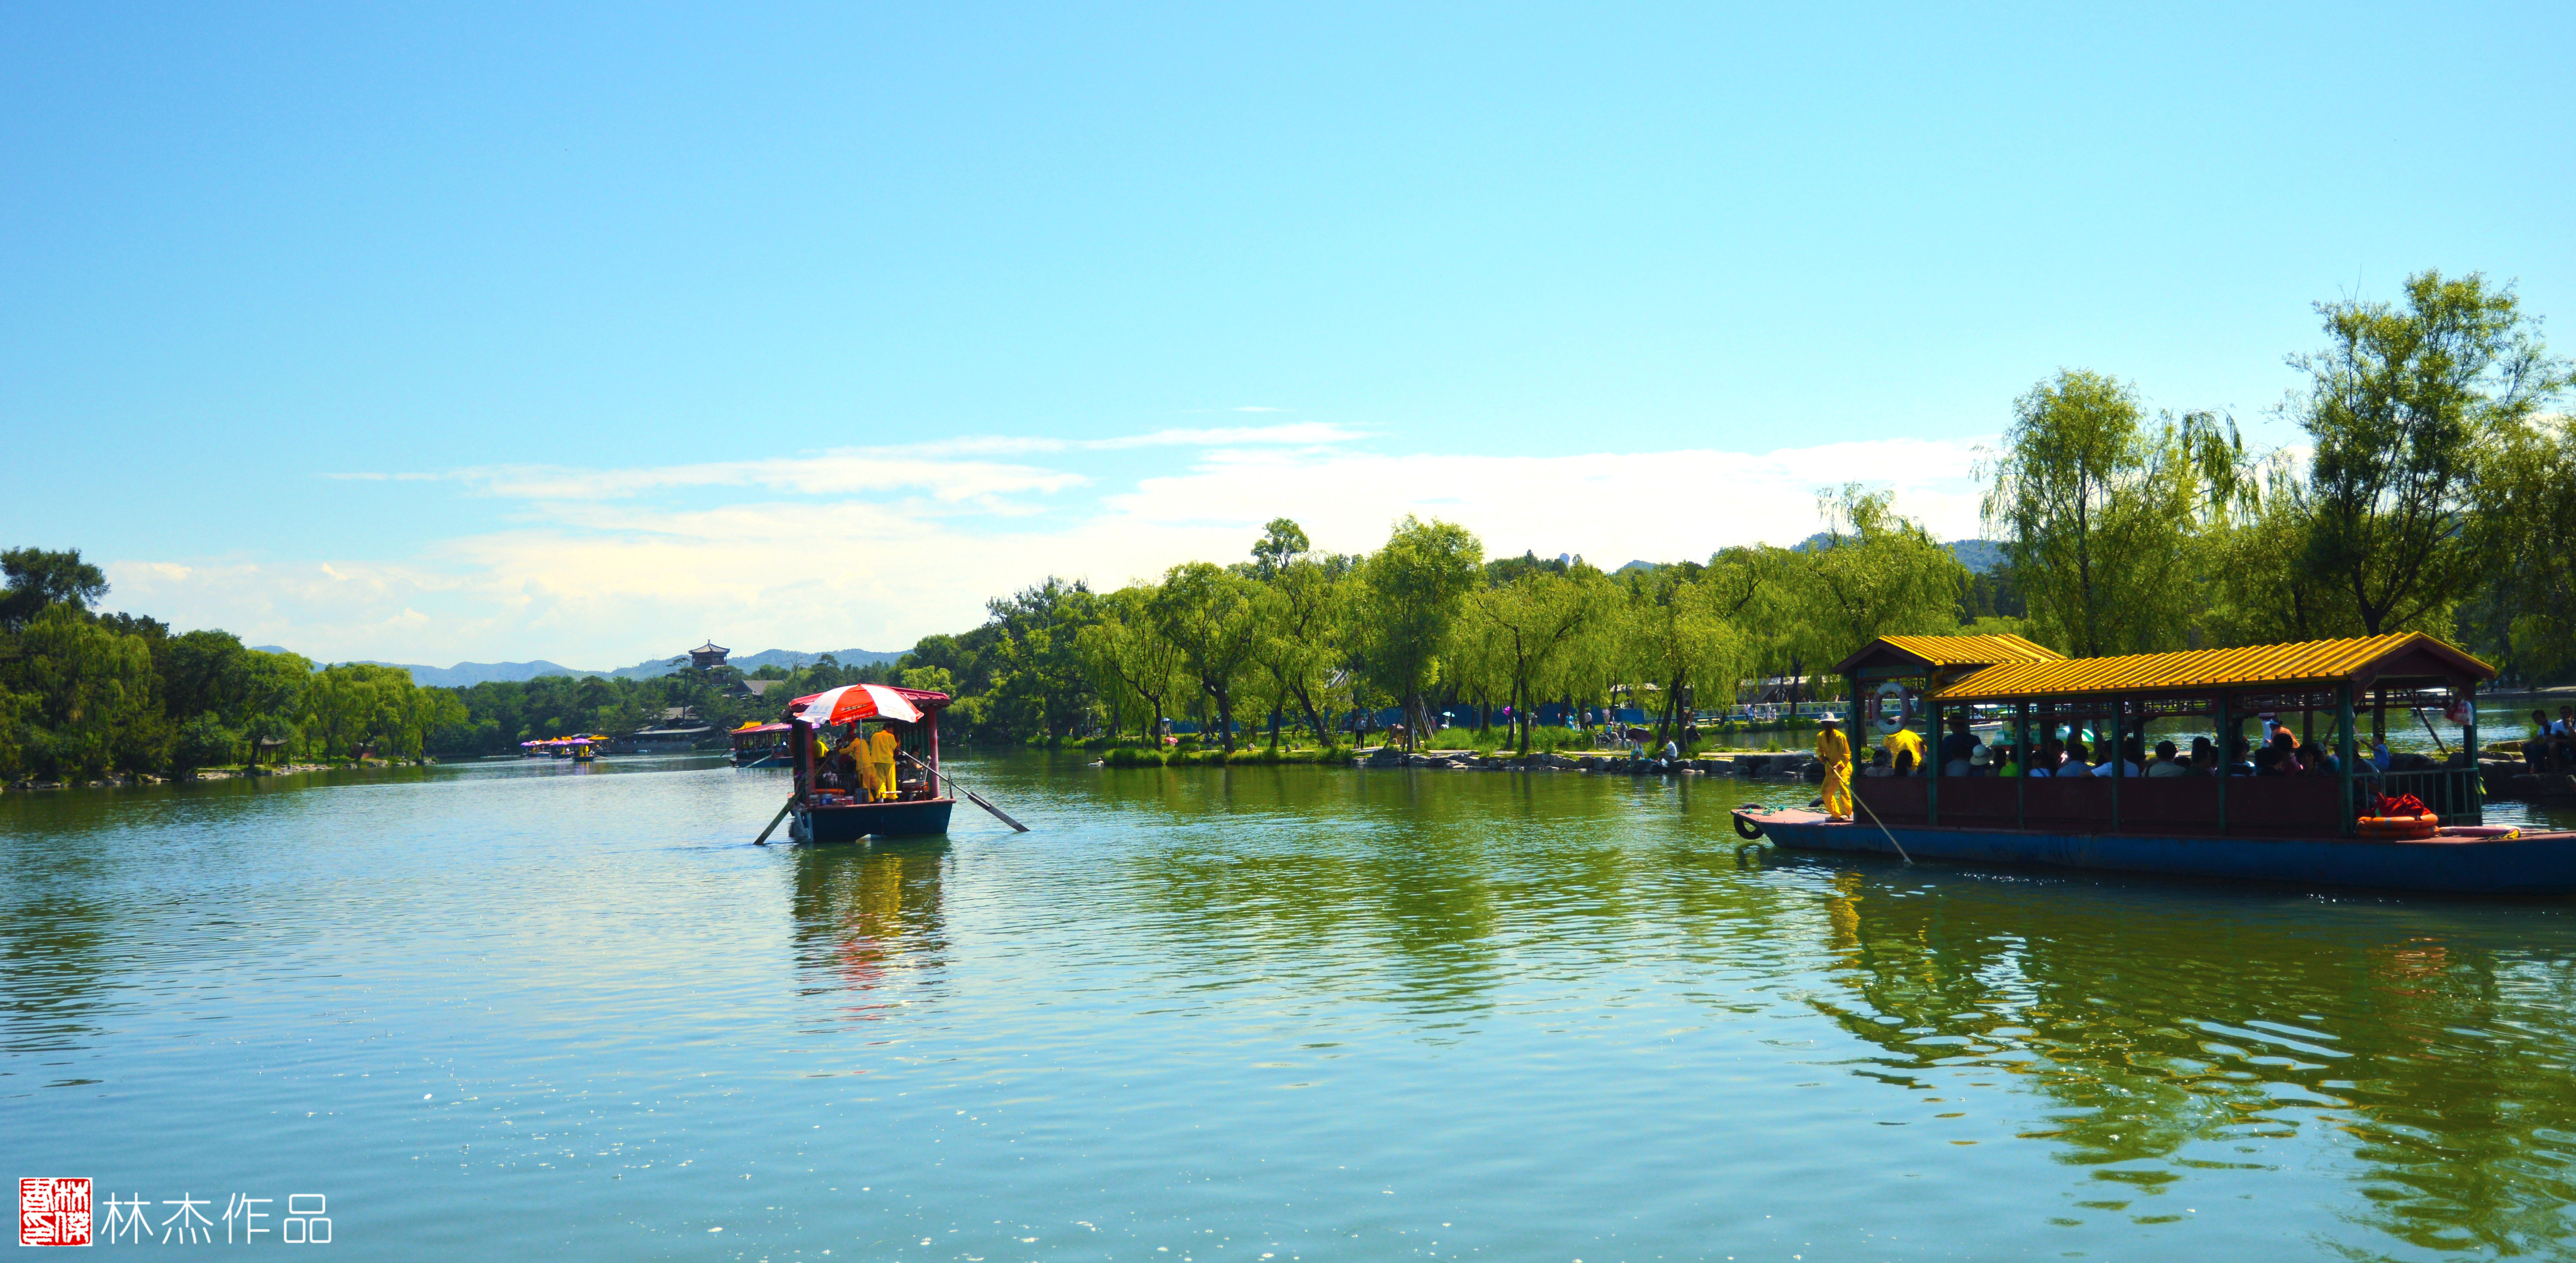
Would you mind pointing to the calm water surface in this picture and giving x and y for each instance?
(513, 1010)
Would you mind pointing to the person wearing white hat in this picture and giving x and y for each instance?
(1835, 750)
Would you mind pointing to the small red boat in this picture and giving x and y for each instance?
(830, 805)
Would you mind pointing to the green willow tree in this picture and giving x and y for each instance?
(1524, 629)
(2408, 405)
(2096, 509)
(1876, 573)
(1207, 613)
(1416, 587)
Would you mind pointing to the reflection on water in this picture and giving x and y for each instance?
(1296, 1011)
(868, 927)
(2432, 1051)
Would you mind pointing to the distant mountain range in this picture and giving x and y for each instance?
(467, 674)
(1978, 555)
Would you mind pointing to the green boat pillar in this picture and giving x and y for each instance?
(2343, 755)
(2119, 738)
(1932, 755)
(2469, 744)
(2226, 755)
(2021, 761)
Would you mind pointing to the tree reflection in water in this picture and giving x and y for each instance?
(2191, 1031)
(869, 923)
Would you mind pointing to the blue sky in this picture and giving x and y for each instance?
(465, 332)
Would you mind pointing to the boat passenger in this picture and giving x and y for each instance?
(2536, 751)
(1904, 741)
(2045, 764)
(1980, 762)
(2204, 757)
(1878, 764)
(1835, 751)
(2288, 746)
(2267, 761)
(2380, 758)
(2007, 759)
(2078, 761)
(1957, 745)
(2166, 764)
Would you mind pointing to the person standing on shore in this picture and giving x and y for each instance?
(1835, 751)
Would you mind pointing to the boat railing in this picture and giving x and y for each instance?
(2453, 793)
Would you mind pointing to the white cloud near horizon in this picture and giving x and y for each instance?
(877, 548)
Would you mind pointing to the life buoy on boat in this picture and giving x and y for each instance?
(1746, 829)
(2398, 828)
(1887, 727)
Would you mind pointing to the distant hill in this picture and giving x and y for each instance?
(788, 658)
(468, 674)
(1978, 555)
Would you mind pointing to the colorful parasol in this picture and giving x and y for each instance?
(855, 701)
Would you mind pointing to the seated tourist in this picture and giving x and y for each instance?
(1878, 764)
(2132, 760)
(2078, 762)
(1979, 763)
(2166, 764)
(2288, 746)
(2045, 762)
(2267, 761)
(2007, 760)
(2536, 751)
(1957, 745)
(1904, 764)
(2243, 763)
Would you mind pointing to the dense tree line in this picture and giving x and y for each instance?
(84, 694)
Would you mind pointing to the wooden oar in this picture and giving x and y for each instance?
(2437, 736)
(971, 795)
(763, 839)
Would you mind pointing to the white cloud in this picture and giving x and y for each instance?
(884, 547)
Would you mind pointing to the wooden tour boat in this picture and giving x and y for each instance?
(2302, 829)
(761, 745)
(828, 812)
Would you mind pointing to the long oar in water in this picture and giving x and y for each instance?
(1882, 827)
(763, 839)
(971, 795)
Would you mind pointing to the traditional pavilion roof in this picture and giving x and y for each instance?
(2399, 657)
(711, 647)
(1935, 654)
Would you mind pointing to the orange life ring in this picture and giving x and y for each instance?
(2401, 828)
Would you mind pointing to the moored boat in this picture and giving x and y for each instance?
(2220, 821)
(760, 745)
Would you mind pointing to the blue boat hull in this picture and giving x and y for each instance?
(852, 821)
(2534, 864)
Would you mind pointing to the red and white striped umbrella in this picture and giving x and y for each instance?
(855, 701)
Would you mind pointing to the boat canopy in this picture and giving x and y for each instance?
(1935, 655)
(748, 729)
(2403, 660)
(866, 701)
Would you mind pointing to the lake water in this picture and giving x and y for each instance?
(524, 1010)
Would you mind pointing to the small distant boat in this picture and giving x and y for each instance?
(829, 811)
(761, 745)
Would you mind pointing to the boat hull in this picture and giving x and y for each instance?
(852, 821)
(2534, 864)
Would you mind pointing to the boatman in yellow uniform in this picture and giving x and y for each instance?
(1835, 751)
(881, 748)
(863, 766)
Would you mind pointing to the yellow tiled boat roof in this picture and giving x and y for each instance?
(2304, 662)
(1969, 651)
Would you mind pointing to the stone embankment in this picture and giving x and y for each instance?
(202, 774)
(1794, 764)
